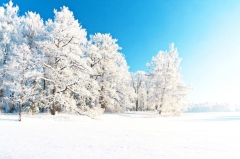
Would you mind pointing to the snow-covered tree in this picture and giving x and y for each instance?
(126, 94)
(34, 34)
(66, 69)
(24, 73)
(137, 81)
(141, 84)
(24, 65)
(109, 69)
(9, 36)
(168, 89)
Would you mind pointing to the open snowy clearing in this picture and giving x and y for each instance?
(128, 135)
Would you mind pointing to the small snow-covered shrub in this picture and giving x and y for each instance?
(114, 110)
(8, 107)
(91, 112)
(170, 113)
(32, 110)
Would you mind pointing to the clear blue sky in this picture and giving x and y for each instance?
(206, 33)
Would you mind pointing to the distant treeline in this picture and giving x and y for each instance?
(210, 107)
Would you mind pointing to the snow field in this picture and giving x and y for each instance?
(121, 136)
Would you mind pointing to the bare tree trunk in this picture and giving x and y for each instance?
(2, 93)
(44, 84)
(20, 109)
(137, 105)
(1, 96)
(103, 106)
(20, 112)
(53, 110)
(102, 102)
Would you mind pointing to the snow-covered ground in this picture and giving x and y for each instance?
(119, 136)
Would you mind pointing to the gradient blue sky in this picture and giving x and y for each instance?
(206, 33)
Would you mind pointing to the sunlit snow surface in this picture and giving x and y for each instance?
(129, 135)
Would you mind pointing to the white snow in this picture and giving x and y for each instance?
(141, 135)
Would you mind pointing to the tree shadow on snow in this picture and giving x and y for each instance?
(11, 120)
(11, 117)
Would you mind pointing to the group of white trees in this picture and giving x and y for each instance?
(162, 88)
(53, 65)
